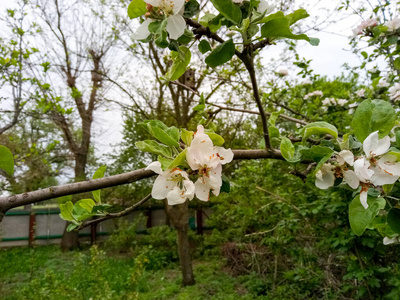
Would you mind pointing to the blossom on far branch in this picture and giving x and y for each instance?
(360, 93)
(174, 185)
(382, 83)
(369, 23)
(315, 93)
(393, 24)
(394, 92)
(172, 10)
(207, 159)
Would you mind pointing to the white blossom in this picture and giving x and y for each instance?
(342, 102)
(394, 92)
(306, 81)
(393, 24)
(283, 72)
(207, 159)
(176, 24)
(364, 25)
(382, 83)
(360, 93)
(315, 93)
(388, 241)
(174, 185)
(264, 6)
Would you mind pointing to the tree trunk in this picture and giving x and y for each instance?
(179, 216)
(70, 240)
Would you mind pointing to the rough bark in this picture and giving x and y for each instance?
(179, 216)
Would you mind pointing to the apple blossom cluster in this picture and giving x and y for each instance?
(333, 101)
(393, 24)
(172, 10)
(315, 93)
(394, 92)
(205, 161)
(369, 23)
(375, 167)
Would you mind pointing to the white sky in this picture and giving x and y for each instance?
(328, 59)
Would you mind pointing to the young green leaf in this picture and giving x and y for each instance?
(229, 10)
(98, 174)
(154, 148)
(360, 217)
(319, 128)
(371, 116)
(180, 160)
(187, 136)
(216, 139)
(66, 211)
(204, 46)
(288, 150)
(136, 9)
(6, 160)
(221, 54)
(393, 219)
(180, 60)
(87, 204)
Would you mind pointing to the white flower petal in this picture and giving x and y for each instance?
(225, 155)
(155, 3)
(370, 144)
(143, 30)
(388, 241)
(348, 157)
(351, 179)
(178, 5)
(324, 178)
(380, 177)
(175, 26)
(264, 6)
(176, 196)
(361, 168)
(155, 166)
(214, 181)
(161, 187)
(202, 190)
(364, 198)
(387, 163)
(189, 186)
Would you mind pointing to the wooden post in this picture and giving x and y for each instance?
(32, 221)
(93, 233)
(199, 221)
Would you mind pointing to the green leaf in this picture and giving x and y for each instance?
(154, 148)
(280, 28)
(72, 227)
(371, 116)
(204, 46)
(229, 10)
(136, 9)
(319, 128)
(154, 123)
(165, 162)
(98, 174)
(215, 138)
(86, 204)
(226, 186)
(393, 219)
(316, 152)
(101, 207)
(288, 151)
(180, 60)
(297, 15)
(221, 54)
(66, 211)
(187, 136)
(192, 8)
(396, 63)
(180, 160)
(85, 216)
(6, 160)
(163, 136)
(360, 217)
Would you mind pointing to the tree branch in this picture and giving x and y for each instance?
(125, 212)
(9, 202)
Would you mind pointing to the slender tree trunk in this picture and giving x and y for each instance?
(179, 216)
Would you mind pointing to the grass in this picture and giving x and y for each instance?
(47, 273)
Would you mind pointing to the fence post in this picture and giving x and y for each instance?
(199, 221)
(32, 221)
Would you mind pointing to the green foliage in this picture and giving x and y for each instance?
(98, 174)
(393, 219)
(371, 116)
(360, 217)
(153, 147)
(221, 54)
(181, 60)
(204, 46)
(229, 10)
(319, 128)
(136, 9)
(288, 151)
(6, 160)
